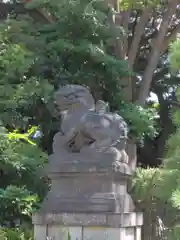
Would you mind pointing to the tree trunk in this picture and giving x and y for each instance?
(139, 30)
(155, 53)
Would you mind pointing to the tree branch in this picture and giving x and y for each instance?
(122, 19)
(125, 24)
(118, 44)
(170, 38)
(155, 53)
(159, 75)
(46, 15)
(139, 30)
(174, 103)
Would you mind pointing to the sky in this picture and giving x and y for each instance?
(153, 97)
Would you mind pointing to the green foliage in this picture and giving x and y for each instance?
(172, 166)
(15, 234)
(175, 55)
(22, 234)
(152, 191)
(69, 236)
(16, 203)
(136, 4)
(174, 233)
(23, 136)
(143, 183)
(21, 187)
(158, 190)
(141, 121)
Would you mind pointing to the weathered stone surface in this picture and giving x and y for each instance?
(102, 233)
(54, 232)
(83, 219)
(71, 219)
(125, 220)
(87, 166)
(93, 192)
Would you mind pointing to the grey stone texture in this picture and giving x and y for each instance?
(83, 219)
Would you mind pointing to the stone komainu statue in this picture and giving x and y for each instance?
(88, 170)
(88, 127)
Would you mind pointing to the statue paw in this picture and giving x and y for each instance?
(58, 143)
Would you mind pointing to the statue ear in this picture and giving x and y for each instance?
(102, 107)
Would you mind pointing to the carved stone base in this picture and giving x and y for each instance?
(88, 226)
(88, 187)
(112, 203)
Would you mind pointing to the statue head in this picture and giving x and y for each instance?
(71, 97)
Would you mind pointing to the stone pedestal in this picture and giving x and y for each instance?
(88, 200)
(97, 185)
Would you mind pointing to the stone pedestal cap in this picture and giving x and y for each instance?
(133, 219)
